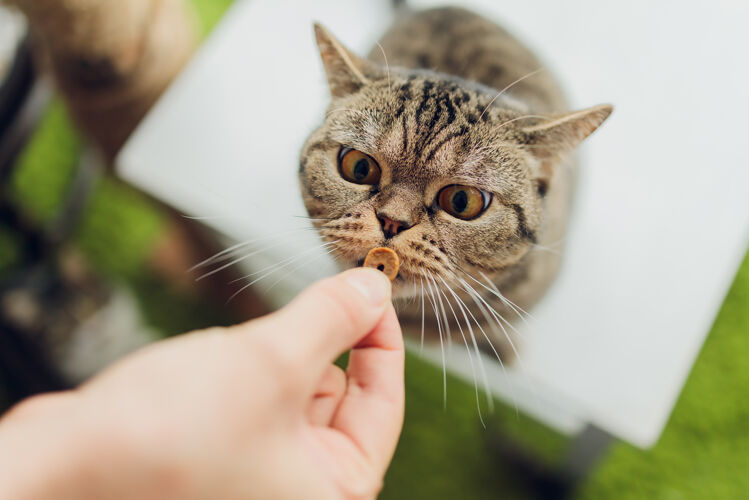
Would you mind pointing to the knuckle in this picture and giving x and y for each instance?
(267, 340)
(281, 361)
(25, 408)
(34, 405)
(334, 381)
(363, 488)
(279, 356)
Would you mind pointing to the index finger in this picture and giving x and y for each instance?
(334, 314)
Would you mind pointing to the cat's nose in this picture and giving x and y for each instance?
(391, 227)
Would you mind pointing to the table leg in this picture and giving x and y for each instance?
(548, 480)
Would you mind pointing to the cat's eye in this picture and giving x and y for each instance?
(357, 167)
(463, 202)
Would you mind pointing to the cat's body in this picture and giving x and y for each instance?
(449, 109)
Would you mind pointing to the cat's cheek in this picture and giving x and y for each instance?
(473, 242)
(330, 197)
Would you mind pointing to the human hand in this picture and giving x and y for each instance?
(256, 410)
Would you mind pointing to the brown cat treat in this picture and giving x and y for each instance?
(385, 260)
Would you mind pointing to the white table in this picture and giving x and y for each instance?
(12, 31)
(662, 218)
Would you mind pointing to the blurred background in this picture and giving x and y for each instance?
(91, 268)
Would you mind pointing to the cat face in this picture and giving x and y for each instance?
(439, 169)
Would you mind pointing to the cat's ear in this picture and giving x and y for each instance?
(346, 72)
(560, 134)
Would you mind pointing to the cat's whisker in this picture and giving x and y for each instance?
(478, 324)
(444, 315)
(492, 288)
(498, 318)
(556, 243)
(201, 217)
(223, 253)
(524, 117)
(421, 348)
(387, 66)
(442, 345)
(463, 309)
(508, 87)
(496, 354)
(482, 371)
(294, 269)
(312, 218)
(536, 246)
(536, 146)
(522, 313)
(470, 361)
(471, 290)
(239, 259)
(358, 111)
(234, 261)
(276, 268)
(283, 262)
(552, 248)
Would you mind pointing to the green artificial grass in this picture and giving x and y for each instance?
(443, 454)
(46, 166)
(118, 217)
(10, 250)
(209, 12)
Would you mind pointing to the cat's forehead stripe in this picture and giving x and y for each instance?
(463, 130)
(436, 111)
(425, 127)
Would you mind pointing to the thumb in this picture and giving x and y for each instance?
(332, 315)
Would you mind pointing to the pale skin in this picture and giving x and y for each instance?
(256, 410)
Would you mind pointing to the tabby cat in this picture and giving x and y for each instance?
(451, 146)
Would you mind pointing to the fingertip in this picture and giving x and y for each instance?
(334, 314)
(373, 285)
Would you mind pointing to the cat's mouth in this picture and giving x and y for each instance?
(414, 267)
(402, 283)
(398, 278)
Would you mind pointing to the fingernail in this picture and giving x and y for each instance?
(372, 284)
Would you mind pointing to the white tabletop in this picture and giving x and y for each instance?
(662, 216)
(12, 30)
